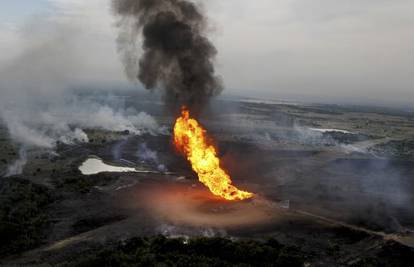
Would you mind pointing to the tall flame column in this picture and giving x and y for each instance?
(190, 140)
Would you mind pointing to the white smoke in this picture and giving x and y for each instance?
(43, 125)
(149, 156)
(40, 129)
(17, 167)
(174, 231)
(107, 118)
(52, 55)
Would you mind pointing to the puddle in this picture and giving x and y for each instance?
(94, 166)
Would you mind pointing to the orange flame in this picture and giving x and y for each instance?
(190, 139)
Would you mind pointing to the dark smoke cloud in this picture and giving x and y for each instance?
(177, 55)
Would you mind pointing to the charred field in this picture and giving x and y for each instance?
(333, 186)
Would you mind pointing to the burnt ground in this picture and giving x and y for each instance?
(322, 200)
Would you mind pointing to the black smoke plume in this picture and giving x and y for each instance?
(177, 56)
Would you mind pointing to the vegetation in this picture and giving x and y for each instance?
(23, 216)
(8, 153)
(403, 149)
(74, 181)
(391, 254)
(161, 251)
(347, 138)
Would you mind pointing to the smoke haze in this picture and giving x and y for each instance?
(17, 166)
(38, 103)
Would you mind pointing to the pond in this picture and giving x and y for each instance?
(94, 166)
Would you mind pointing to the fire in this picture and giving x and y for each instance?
(190, 139)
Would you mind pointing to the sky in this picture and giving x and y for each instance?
(336, 51)
(16, 11)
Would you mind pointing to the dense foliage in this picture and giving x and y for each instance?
(23, 217)
(161, 251)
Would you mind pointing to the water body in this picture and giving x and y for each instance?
(94, 166)
(330, 130)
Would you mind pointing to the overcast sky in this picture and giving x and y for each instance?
(317, 50)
